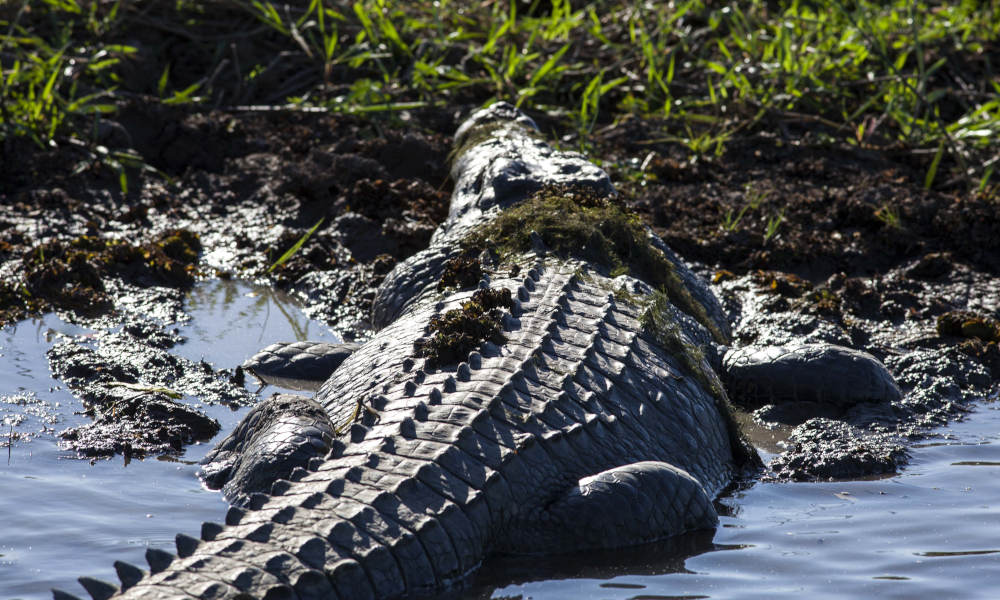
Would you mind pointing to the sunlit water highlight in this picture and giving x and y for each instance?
(930, 532)
(65, 517)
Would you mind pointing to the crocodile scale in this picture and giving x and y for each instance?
(580, 431)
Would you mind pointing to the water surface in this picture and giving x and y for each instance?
(933, 531)
(67, 517)
(929, 532)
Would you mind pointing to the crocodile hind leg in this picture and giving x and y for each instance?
(632, 504)
(281, 433)
(805, 380)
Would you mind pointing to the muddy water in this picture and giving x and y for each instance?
(930, 532)
(64, 517)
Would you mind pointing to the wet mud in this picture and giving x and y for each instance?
(840, 245)
(131, 384)
(318, 206)
(803, 242)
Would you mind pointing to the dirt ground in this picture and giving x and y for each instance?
(830, 243)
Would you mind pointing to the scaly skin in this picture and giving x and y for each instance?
(580, 431)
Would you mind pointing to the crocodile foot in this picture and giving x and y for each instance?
(298, 365)
(805, 381)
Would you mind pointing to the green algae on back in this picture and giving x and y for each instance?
(579, 222)
(459, 331)
(657, 321)
(462, 271)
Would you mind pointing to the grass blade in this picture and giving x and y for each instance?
(295, 247)
(932, 171)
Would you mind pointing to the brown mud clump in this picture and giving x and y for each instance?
(459, 331)
(138, 426)
(982, 333)
(964, 323)
(788, 285)
(70, 275)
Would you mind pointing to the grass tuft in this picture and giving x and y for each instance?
(916, 78)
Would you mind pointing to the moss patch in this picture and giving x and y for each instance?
(459, 331)
(656, 320)
(70, 275)
(462, 271)
(964, 323)
(579, 222)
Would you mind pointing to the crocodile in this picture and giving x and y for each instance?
(590, 416)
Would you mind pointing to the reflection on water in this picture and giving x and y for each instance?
(930, 532)
(230, 320)
(65, 517)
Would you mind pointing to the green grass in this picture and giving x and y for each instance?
(912, 77)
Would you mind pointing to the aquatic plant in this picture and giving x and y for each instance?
(452, 335)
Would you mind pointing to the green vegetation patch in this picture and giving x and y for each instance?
(579, 222)
(656, 320)
(70, 275)
(875, 74)
(462, 271)
(964, 323)
(459, 331)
